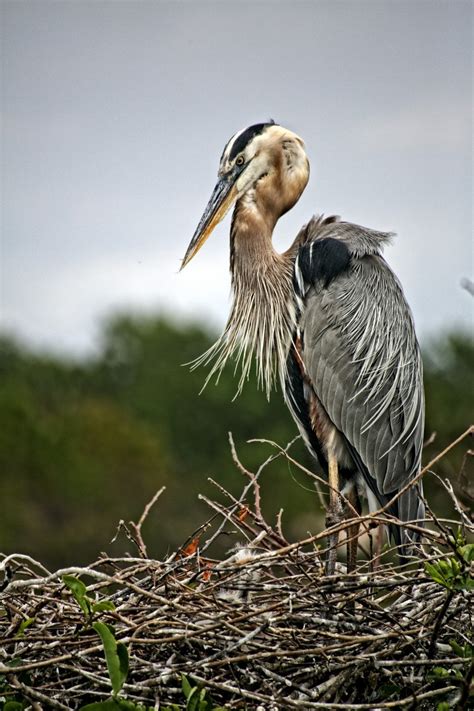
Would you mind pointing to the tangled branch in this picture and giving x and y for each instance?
(264, 627)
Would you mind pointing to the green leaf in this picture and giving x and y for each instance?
(23, 626)
(79, 590)
(75, 585)
(466, 651)
(15, 662)
(186, 686)
(116, 656)
(435, 572)
(204, 705)
(455, 567)
(440, 673)
(443, 706)
(469, 583)
(13, 706)
(116, 705)
(194, 696)
(111, 705)
(103, 606)
(450, 574)
(192, 701)
(467, 552)
(457, 649)
(122, 654)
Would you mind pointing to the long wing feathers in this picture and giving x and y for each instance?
(361, 353)
(361, 241)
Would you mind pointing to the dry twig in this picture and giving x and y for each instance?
(264, 627)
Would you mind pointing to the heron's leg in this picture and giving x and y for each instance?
(352, 532)
(334, 513)
(376, 550)
(379, 536)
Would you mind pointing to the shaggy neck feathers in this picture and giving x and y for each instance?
(263, 315)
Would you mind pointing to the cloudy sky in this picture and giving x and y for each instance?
(114, 115)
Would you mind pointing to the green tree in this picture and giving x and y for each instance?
(449, 387)
(73, 463)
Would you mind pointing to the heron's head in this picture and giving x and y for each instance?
(265, 162)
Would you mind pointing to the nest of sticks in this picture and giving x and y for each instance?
(265, 628)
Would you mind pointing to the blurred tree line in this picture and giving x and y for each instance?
(86, 443)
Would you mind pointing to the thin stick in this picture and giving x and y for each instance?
(137, 527)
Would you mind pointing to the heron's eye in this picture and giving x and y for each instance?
(239, 160)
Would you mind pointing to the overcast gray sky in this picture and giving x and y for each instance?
(114, 116)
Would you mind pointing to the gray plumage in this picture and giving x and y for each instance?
(362, 357)
(328, 319)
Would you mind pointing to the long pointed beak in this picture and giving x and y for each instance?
(224, 195)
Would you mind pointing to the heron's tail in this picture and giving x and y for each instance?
(410, 508)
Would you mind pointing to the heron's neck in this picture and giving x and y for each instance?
(263, 315)
(252, 252)
(262, 318)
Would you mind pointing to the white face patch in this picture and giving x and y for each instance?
(261, 142)
(258, 166)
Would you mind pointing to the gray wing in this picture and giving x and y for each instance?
(362, 356)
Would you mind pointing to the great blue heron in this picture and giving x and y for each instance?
(328, 318)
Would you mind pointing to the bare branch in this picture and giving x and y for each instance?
(263, 626)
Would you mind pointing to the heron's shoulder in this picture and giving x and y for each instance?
(326, 248)
(358, 240)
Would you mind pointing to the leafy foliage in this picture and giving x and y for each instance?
(87, 605)
(196, 697)
(115, 705)
(195, 700)
(454, 572)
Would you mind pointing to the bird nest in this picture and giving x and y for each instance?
(265, 628)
